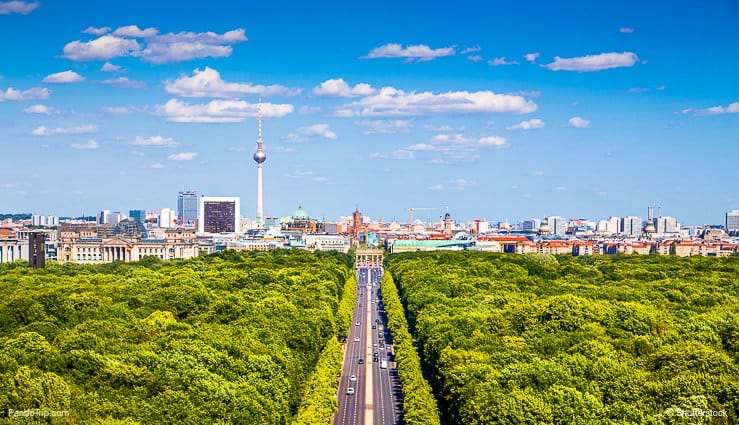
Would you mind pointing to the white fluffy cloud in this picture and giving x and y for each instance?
(102, 48)
(41, 109)
(493, 141)
(337, 87)
(157, 165)
(83, 129)
(220, 111)
(385, 126)
(151, 46)
(182, 156)
(456, 147)
(626, 30)
(593, 62)
(391, 102)
(578, 122)
(125, 82)
(418, 52)
(96, 31)
(208, 83)
(30, 94)
(133, 31)
(732, 108)
(109, 67)
(183, 46)
(471, 50)
(531, 57)
(305, 134)
(501, 61)
(320, 130)
(158, 141)
(68, 76)
(19, 7)
(90, 145)
(531, 124)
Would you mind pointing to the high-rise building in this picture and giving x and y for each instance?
(732, 220)
(187, 208)
(167, 218)
(103, 216)
(614, 225)
(44, 220)
(557, 225)
(138, 215)
(259, 158)
(219, 214)
(631, 226)
(667, 225)
(532, 225)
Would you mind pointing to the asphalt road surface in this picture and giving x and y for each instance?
(376, 397)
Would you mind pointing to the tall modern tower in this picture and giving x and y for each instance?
(187, 208)
(259, 158)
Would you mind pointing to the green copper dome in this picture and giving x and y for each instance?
(300, 213)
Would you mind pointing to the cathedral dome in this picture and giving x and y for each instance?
(300, 213)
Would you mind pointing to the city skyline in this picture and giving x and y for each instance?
(501, 112)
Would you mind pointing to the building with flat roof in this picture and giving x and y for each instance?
(187, 208)
(219, 214)
(732, 220)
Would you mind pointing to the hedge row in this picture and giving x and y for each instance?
(319, 396)
(419, 404)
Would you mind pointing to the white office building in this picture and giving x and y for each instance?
(167, 218)
(44, 220)
(557, 225)
(631, 226)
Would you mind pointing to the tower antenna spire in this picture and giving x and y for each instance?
(259, 124)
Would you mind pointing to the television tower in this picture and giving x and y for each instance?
(259, 158)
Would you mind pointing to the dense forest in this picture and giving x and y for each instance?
(229, 338)
(538, 339)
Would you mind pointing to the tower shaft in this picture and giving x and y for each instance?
(260, 212)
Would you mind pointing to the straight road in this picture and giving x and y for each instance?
(374, 397)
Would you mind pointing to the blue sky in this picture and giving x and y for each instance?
(507, 110)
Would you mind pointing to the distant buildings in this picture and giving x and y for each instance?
(44, 220)
(732, 220)
(109, 217)
(532, 225)
(187, 208)
(98, 244)
(557, 225)
(631, 226)
(219, 214)
(167, 218)
(138, 215)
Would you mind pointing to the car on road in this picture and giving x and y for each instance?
(353, 378)
(383, 364)
(360, 361)
(356, 339)
(356, 324)
(350, 391)
(374, 327)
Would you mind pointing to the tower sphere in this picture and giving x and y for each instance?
(260, 156)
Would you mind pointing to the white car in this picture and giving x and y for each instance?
(353, 378)
(350, 391)
(356, 324)
(356, 339)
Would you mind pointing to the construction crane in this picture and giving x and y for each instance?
(410, 212)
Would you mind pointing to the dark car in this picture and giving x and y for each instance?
(360, 361)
